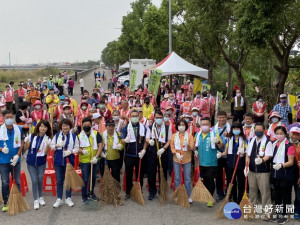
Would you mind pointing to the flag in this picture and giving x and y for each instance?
(197, 85)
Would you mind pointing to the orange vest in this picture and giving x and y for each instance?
(81, 115)
(186, 108)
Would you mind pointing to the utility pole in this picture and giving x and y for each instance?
(9, 60)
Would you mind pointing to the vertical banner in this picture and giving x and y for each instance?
(197, 86)
(132, 80)
(154, 81)
(205, 87)
(292, 99)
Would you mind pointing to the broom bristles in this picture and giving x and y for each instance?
(180, 196)
(72, 179)
(201, 194)
(220, 213)
(247, 204)
(16, 203)
(136, 193)
(163, 187)
(110, 189)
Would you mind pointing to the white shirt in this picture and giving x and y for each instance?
(81, 82)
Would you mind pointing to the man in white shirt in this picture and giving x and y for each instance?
(81, 85)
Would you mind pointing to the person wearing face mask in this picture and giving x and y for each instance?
(258, 109)
(196, 119)
(152, 100)
(182, 145)
(282, 171)
(284, 110)
(11, 147)
(72, 102)
(38, 114)
(148, 108)
(133, 136)
(125, 111)
(212, 103)
(171, 102)
(206, 150)
(205, 108)
(9, 98)
(185, 107)
(23, 117)
(93, 100)
(82, 113)
(59, 108)
(297, 109)
(21, 93)
(52, 100)
(116, 100)
(138, 99)
(238, 106)
(185, 88)
(118, 121)
(163, 104)
(131, 101)
(275, 121)
(189, 121)
(258, 154)
(104, 112)
(236, 146)
(67, 114)
(197, 100)
(180, 97)
(2, 109)
(91, 148)
(163, 133)
(98, 123)
(143, 120)
(108, 104)
(248, 127)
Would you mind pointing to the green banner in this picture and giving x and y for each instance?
(132, 80)
(205, 87)
(154, 81)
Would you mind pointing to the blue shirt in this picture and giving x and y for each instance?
(207, 155)
(283, 111)
(223, 138)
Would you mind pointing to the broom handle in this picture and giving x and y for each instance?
(181, 168)
(159, 158)
(246, 182)
(235, 168)
(138, 179)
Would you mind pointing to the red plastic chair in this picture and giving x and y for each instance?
(50, 163)
(23, 183)
(52, 186)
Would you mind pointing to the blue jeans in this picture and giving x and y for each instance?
(37, 177)
(187, 176)
(5, 169)
(60, 172)
(86, 172)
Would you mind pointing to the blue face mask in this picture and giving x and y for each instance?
(159, 121)
(116, 117)
(166, 119)
(9, 121)
(187, 120)
(236, 132)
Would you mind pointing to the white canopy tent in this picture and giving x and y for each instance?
(174, 64)
(125, 66)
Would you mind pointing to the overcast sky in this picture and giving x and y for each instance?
(39, 31)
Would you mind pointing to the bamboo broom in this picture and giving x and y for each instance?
(163, 185)
(136, 190)
(72, 179)
(16, 203)
(180, 196)
(246, 204)
(220, 214)
(200, 192)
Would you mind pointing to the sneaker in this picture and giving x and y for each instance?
(42, 201)
(282, 221)
(58, 203)
(219, 198)
(36, 204)
(296, 216)
(151, 197)
(127, 196)
(69, 202)
(84, 200)
(190, 200)
(4, 208)
(93, 197)
(210, 204)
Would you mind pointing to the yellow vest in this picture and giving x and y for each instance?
(87, 158)
(147, 111)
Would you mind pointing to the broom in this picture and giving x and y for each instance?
(220, 214)
(200, 192)
(136, 190)
(110, 189)
(180, 196)
(163, 186)
(246, 204)
(1, 199)
(72, 179)
(16, 203)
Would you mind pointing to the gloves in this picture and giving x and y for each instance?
(142, 153)
(185, 143)
(259, 114)
(14, 160)
(246, 171)
(219, 155)
(160, 151)
(94, 160)
(61, 144)
(85, 152)
(258, 161)
(119, 146)
(26, 140)
(215, 140)
(241, 150)
(151, 142)
(277, 166)
(127, 139)
(74, 130)
(179, 157)
(196, 153)
(48, 142)
(5, 149)
(103, 155)
(67, 153)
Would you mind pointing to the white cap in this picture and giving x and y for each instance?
(195, 108)
(166, 96)
(66, 105)
(96, 115)
(283, 96)
(295, 130)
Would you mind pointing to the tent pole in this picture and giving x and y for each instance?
(170, 36)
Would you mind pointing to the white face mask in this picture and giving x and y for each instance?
(238, 94)
(181, 128)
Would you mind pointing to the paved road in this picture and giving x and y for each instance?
(130, 213)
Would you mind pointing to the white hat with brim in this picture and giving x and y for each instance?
(96, 115)
(295, 130)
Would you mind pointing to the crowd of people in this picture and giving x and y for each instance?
(119, 126)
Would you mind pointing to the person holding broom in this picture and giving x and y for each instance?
(38, 146)
(65, 144)
(206, 150)
(11, 147)
(164, 134)
(236, 146)
(91, 145)
(182, 144)
(133, 136)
